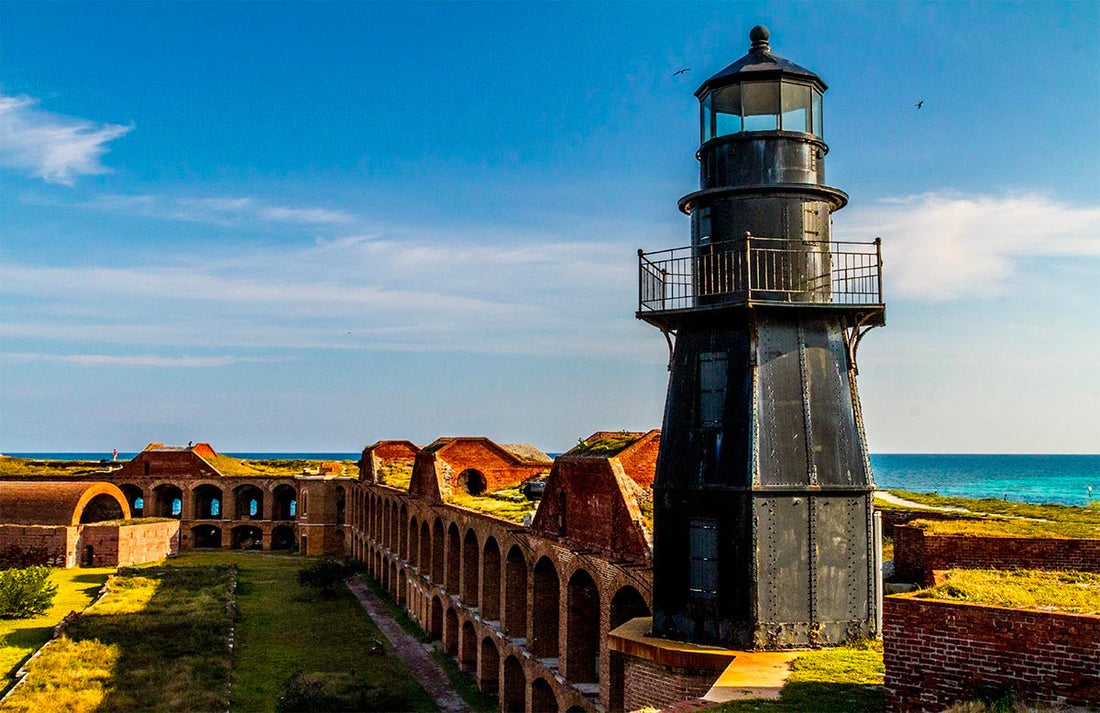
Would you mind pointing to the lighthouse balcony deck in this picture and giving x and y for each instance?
(757, 271)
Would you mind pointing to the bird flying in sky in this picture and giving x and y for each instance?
(681, 71)
(920, 104)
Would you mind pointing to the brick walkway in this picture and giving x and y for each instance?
(412, 652)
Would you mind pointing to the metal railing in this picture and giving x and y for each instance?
(760, 269)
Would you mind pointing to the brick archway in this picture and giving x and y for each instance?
(582, 645)
(545, 610)
(515, 593)
(513, 687)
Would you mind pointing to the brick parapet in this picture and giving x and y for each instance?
(918, 553)
(938, 653)
(650, 685)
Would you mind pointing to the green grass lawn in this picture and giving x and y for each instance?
(992, 506)
(846, 679)
(283, 628)
(19, 638)
(1077, 592)
(157, 641)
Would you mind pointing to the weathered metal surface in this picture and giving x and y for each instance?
(763, 448)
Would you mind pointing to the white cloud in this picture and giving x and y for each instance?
(939, 246)
(53, 147)
(147, 360)
(217, 210)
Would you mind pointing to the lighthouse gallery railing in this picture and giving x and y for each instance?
(760, 269)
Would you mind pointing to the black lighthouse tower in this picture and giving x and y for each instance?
(763, 528)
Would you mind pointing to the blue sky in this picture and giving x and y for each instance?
(308, 227)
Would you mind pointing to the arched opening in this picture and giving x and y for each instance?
(582, 628)
(515, 594)
(574, 709)
(488, 672)
(403, 550)
(490, 592)
(168, 501)
(627, 604)
(546, 598)
(247, 537)
(414, 543)
(394, 537)
(435, 622)
(470, 556)
(424, 559)
(135, 497)
(207, 501)
(206, 536)
(450, 633)
(472, 481)
(467, 658)
(248, 503)
(341, 542)
(101, 508)
(282, 537)
(89, 557)
(284, 500)
(341, 505)
(454, 552)
(543, 699)
(385, 575)
(513, 694)
(437, 551)
(402, 586)
(393, 579)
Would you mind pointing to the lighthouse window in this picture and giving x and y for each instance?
(703, 555)
(712, 388)
(817, 113)
(760, 101)
(706, 126)
(726, 110)
(796, 107)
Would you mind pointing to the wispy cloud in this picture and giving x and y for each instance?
(53, 147)
(144, 360)
(217, 210)
(940, 246)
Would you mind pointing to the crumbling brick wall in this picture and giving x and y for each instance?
(917, 553)
(938, 653)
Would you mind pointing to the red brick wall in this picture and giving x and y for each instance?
(640, 460)
(58, 542)
(648, 685)
(939, 653)
(499, 471)
(131, 544)
(917, 554)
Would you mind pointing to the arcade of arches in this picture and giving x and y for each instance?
(525, 614)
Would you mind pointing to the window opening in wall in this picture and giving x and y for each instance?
(253, 508)
(177, 506)
(139, 504)
(293, 508)
(215, 508)
(712, 407)
(703, 554)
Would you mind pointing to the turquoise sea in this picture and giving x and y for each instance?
(1024, 478)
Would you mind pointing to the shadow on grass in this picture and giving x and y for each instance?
(30, 638)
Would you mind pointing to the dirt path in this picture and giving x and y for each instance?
(411, 651)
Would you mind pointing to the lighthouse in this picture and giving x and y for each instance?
(764, 534)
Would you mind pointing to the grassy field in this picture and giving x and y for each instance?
(19, 638)
(37, 468)
(997, 527)
(992, 506)
(847, 679)
(157, 641)
(1077, 592)
(283, 628)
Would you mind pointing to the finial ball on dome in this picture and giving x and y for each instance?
(759, 36)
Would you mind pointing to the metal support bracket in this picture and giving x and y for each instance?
(670, 338)
(855, 336)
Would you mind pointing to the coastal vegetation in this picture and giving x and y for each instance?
(1072, 592)
(1002, 527)
(37, 468)
(993, 506)
(19, 638)
(25, 592)
(396, 474)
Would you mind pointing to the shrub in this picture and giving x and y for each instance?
(317, 692)
(325, 574)
(25, 592)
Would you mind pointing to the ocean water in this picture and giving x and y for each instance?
(1024, 478)
(1061, 479)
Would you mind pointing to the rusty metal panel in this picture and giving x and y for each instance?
(841, 568)
(782, 549)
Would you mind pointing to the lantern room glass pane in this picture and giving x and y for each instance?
(727, 110)
(817, 113)
(706, 119)
(796, 107)
(760, 102)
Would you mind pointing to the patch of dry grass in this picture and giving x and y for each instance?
(1073, 592)
(396, 474)
(998, 527)
(507, 503)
